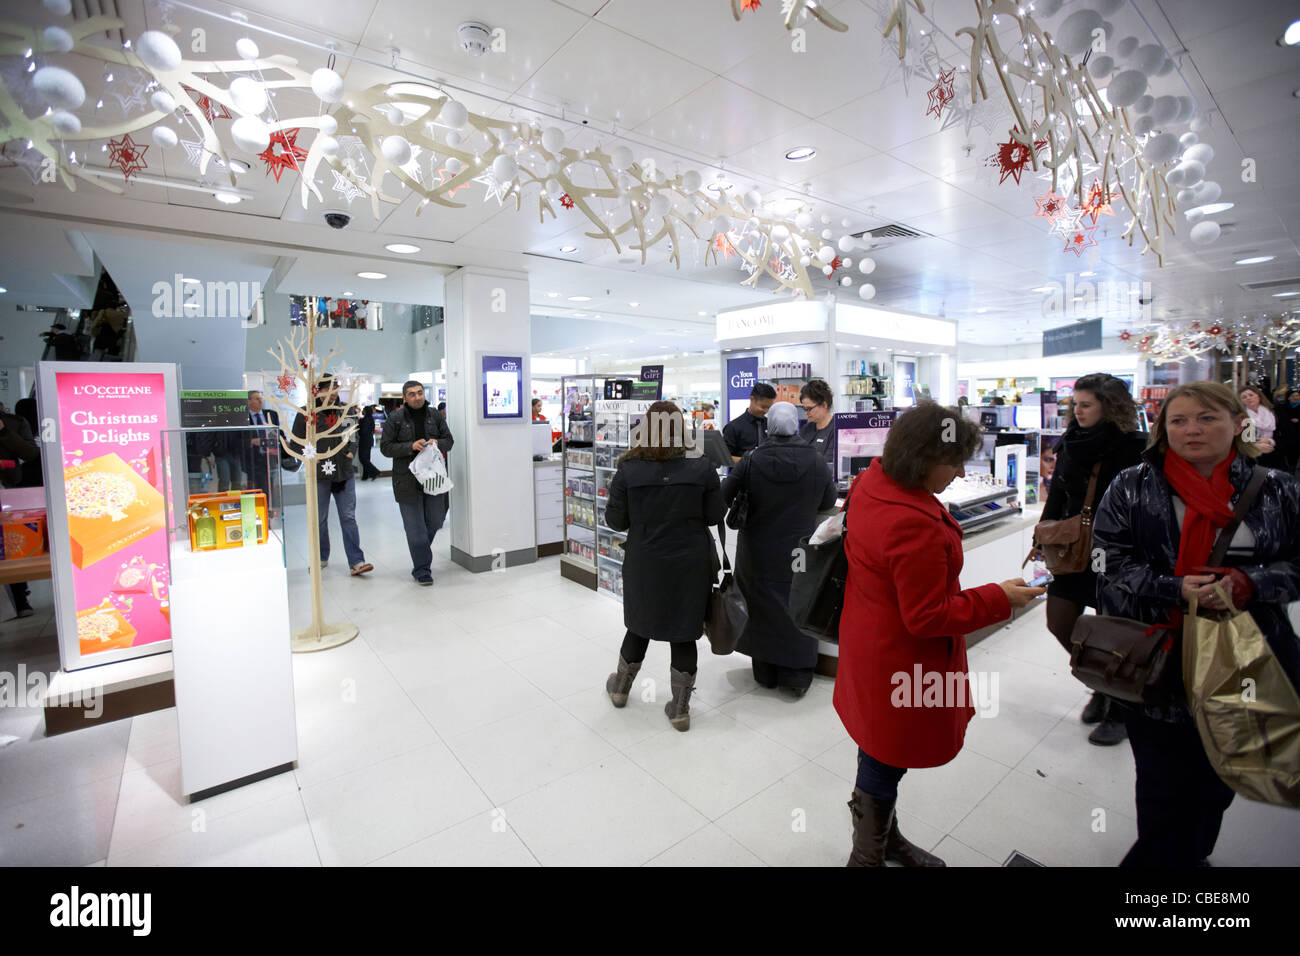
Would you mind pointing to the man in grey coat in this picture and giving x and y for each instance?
(406, 433)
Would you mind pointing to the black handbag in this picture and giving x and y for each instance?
(738, 513)
(1129, 660)
(817, 588)
(728, 614)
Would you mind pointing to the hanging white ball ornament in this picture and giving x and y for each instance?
(1200, 124)
(1107, 7)
(552, 167)
(846, 281)
(1185, 196)
(1148, 58)
(554, 189)
(553, 139)
(165, 136)
(867, 266)
(846, 262)
(1144, 103)
(1207, 191)
(162, 101)
(691, 181)
(721, 225)
(327, 85)
(780, 233)
(1143, 125)
(59, 87)
(1101, 67)
(1186, 109)
(825, 253)
(247, 49)
(1164, 109)
(57, 40)
(328, 145)
(1075, 34)
(1203, 233)
(249, 96)
(1189, 139)
(454, 138)
(867, 290)
(396, 150)
(1195, 215)
(620, 157)
(827, 270)
(1161, 148)
(504, 168)
(453, 114)
(158, 51)
(753, 199)
(250, 134)
(846, 243)
(805, 261)
(65, 123)
(1199, 152)
(58, 7)
(660, 205)
(328, 125)
(1126, 47)
(1193, 172)
(1047, 8)
(1176, 177)
(1126, 87)
(455, 166)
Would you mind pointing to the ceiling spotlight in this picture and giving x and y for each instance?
(1284, 295)
(1292, 35)
(3, 290)
(1253, 260)
(229, 198)
(801, 154)
(372, 275)
(567, 249)
(349, 293)
(634, 304)
(579, 298)
(404, 248)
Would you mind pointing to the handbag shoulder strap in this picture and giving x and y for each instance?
(1244, 504)
(1091, 496)
(722, 537)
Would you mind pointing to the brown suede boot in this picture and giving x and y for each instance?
(898, 849)
(871, 829)
(678, 708)
(620, 682)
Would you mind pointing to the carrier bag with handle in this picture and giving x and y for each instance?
(817, 588)
(1246, 709)
(1128, 659)
(1066, 544)
(430, 469)
(727, 614)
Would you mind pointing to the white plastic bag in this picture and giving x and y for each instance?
(430, 470)
(829, 530)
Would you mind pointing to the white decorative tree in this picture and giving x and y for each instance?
(331, 420)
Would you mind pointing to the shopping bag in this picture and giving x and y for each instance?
(817, 588)
(727, 613)
(430, 470)
(1246, 708)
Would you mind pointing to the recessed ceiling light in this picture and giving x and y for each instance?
(982, 310)
(634, 304)
(1212, 209)
(372, 275)
(349, 293)
(579, 298)
(801, 154)
(1284, 295)
(404, 248)
(1292, 35)
(1086, 274)
(568, 248)
(702, 313)
(229, 198)
(1252, 260)
(3, 290)
(552, 295)
(1043, 288)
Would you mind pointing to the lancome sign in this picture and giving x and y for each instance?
(779, 318)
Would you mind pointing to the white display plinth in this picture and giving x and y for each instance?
(232, 662)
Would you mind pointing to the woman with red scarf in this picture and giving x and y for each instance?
(1157, 524)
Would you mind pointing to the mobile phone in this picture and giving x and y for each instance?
(1042, 580)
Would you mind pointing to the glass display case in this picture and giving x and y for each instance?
(578, 420)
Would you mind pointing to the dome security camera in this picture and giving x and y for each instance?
(337, 218)
(475, 38)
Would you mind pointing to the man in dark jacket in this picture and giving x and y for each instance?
(20, 461)
(788, 482)
(335, 476)
(746, 431)
(406, 433)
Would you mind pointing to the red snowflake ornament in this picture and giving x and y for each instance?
(1013, 156)
(1098, 202)
(746, 5)
(941, 94)
(567, 201)
(206, 106)
(127, 155)
(1214, 330)
(285, 382)
(835, 264)
(283, 153)
(723, 245)
(1050, 207)
(1125, 336)
(1079, 239)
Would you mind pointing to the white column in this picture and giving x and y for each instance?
(491, 465)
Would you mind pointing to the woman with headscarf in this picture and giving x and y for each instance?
(788, 482)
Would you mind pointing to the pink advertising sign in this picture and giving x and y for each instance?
(110, 427)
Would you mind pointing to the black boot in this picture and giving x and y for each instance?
(872, 819)
(1095, 711)
(678, 708)
(1110, 731)
(620, 682)
(898, 849)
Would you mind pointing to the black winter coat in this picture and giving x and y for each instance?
(666, 508)
(395, 442)
(789, 482)
(18, 445)
(1139, 531)
(1287, 435)
(1076, 453)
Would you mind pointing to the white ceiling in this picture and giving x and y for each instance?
(680, 80)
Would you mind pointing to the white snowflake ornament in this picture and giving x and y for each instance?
(308, 452)
(327, 468)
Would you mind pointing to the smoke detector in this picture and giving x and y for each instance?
(475, 38)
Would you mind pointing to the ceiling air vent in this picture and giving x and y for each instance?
(890, 234)
(1272, 285)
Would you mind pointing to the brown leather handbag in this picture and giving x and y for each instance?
(1067, 544)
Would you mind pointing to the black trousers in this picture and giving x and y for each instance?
(685, 653)
(1180, 799)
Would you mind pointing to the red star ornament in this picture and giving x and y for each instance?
(1079, 239)
(1012, 157)
(1098, 202)
(1050, 207)
(567, 201)
(127, 155)
(285, 382)
(1125, 336)
(283, 153)
(206, 106)
(746, 5)
(941, 94)
(835, 264)
(723, 244)
(445, 175)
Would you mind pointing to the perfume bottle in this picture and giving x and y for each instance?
(206, 531)
(249, 520)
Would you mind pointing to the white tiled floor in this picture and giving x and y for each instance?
(468, 725)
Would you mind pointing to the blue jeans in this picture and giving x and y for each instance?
(878, 779)
(345, 497)
(422, 517)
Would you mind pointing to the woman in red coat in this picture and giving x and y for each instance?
(901, 688)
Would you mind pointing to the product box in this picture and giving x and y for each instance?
(109, 507)
(225, 507)
(103, 628)
(22, 534)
